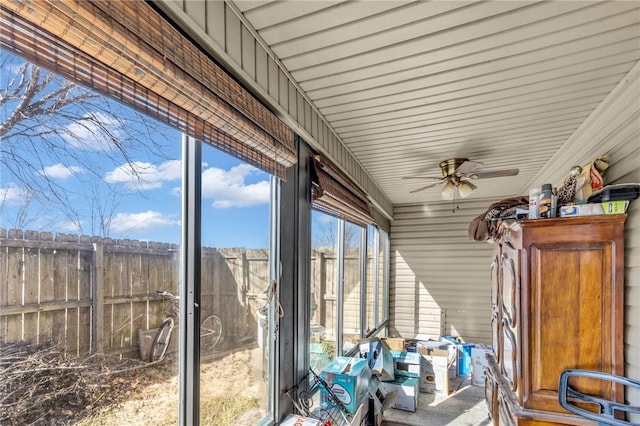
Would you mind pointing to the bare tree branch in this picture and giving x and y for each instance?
(48, 121)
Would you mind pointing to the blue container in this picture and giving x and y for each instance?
(464, 354)
(464, 358)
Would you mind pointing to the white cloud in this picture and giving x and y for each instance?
(142, 221)
(13, 194)
(87, 135)
(140, 175)
(227, 188)
(60, 171)
(70, 226)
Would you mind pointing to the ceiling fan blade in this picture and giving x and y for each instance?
(467, 167)
(495, 173)
(424, 187)
(421, 177)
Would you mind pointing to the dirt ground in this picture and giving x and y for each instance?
(44, 387)
(229, 392)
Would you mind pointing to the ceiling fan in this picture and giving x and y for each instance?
(457, 174)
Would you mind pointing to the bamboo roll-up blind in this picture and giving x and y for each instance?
(334, 193)
(128, 51)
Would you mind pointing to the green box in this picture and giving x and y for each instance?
(615, 207)
(348, 379)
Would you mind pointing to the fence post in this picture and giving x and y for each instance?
(244, 266)
(97, 292)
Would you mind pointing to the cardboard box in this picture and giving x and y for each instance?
(379, 400)
(615, 207)
(378, 356)
(394, 343)
(406, 391)
(479, 363)
(435, 375)
(296, 420)
(360, 417)
(348, 379)
(439, 356)
(437, 347)
(590, 209)
(407, 364)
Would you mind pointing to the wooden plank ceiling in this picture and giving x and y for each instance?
(407, 84)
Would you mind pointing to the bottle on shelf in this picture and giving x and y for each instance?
(545, 204)
(534, 198)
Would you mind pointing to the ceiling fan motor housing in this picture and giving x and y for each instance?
(450, 166)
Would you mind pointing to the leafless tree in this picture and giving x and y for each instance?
(47, 120)
(325, 234)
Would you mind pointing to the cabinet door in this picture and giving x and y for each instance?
(510, 273)
(510, 299)
(571, 324)
(496, 302)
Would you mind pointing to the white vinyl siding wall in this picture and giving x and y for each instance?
(439, 278)
(627, 170)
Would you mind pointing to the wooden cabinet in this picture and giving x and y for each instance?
(557, 303)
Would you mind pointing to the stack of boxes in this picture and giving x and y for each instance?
(354, 383)
(393, 371)
(407, 378)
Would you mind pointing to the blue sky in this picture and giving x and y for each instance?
(140, 194)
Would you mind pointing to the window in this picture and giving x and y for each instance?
(324, 288)
(91, 191)
(352, 279)
(337, 283)
(235, 291)
(383, 278)
(377, 283)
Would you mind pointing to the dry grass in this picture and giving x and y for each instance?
(231, 392)
(226, 397)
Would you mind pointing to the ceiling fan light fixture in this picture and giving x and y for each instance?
(449, 190)
(466, 188)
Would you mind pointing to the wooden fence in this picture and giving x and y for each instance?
(91, 294)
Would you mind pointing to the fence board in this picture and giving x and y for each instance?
(83, 332)
(60, 292)
(4, 285)
(81, 274)
(15, 265)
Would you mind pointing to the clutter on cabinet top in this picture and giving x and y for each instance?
(592, 209)
(582, 193)
(622, 191)
(583, 181)
(484, 227)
